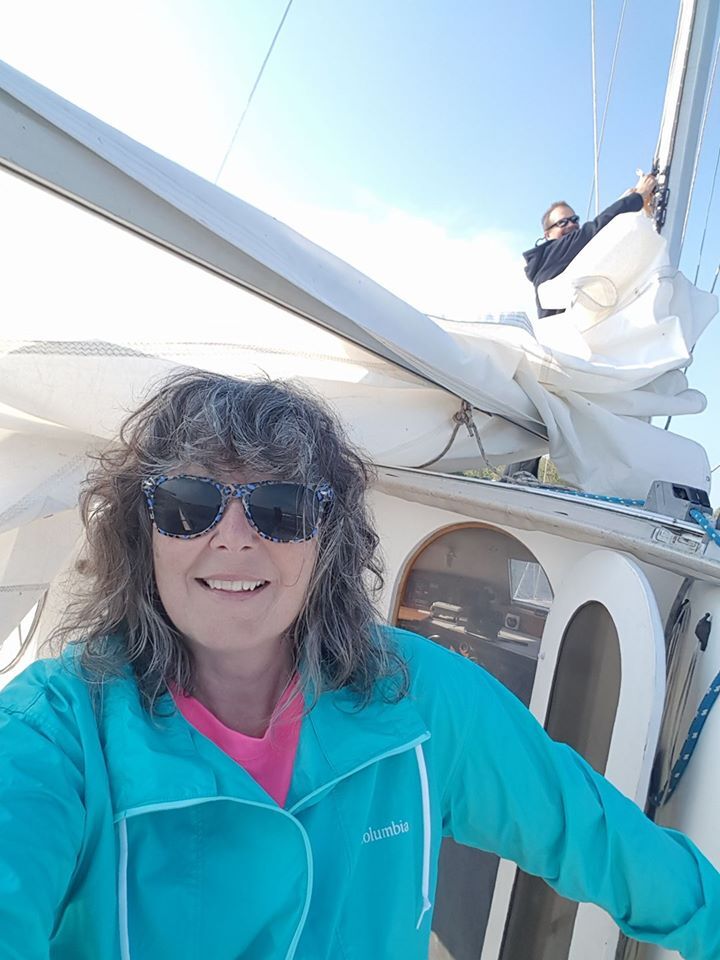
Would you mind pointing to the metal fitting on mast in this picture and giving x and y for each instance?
(680, 128)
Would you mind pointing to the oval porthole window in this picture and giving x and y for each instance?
(581, 713)
(480, 592)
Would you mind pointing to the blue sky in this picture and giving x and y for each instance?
(444, 126)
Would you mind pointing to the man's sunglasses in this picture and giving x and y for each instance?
(188, 506)
(564, 221)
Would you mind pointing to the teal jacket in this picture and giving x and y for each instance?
(126, 836)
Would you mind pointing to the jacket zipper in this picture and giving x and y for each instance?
(415, 745)
(178, 804)
(123, 917)
(427, 836)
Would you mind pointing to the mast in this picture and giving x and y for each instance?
(687, 87)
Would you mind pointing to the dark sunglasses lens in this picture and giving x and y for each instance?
(564, 221)
(184, 506)
(284, 511)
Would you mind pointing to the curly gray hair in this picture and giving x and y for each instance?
(276, 429)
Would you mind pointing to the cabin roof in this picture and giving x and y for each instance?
(675, 545)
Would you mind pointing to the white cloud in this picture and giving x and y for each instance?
(461, 278)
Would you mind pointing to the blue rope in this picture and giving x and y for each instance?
(701, 519)
(698, 516)
(625, 501)
(662, 796)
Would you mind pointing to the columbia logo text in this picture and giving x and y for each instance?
(393, 829)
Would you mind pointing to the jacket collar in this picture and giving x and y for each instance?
(155, 760)
(339, 737)
(534, 258)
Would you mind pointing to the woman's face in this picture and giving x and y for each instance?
(230, 591)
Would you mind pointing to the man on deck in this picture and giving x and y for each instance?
(565, 238)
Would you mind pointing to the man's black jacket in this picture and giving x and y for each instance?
(550, 259)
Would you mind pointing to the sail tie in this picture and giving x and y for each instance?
(462, 416)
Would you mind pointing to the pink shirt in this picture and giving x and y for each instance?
(268, 759)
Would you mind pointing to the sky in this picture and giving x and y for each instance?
(418, 139)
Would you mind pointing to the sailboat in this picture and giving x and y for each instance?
(593, 602)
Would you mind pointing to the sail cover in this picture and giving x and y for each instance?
(95, 315)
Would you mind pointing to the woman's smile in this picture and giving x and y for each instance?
(232, 585)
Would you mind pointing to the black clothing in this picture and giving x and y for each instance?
(550, 259)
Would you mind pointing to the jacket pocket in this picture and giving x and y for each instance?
(218, 879)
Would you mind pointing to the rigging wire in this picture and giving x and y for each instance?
(696, 162)
(252, 92)
(707, 220)
(613, 64)
(596, 150)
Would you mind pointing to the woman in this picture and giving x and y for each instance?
(237, 762)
